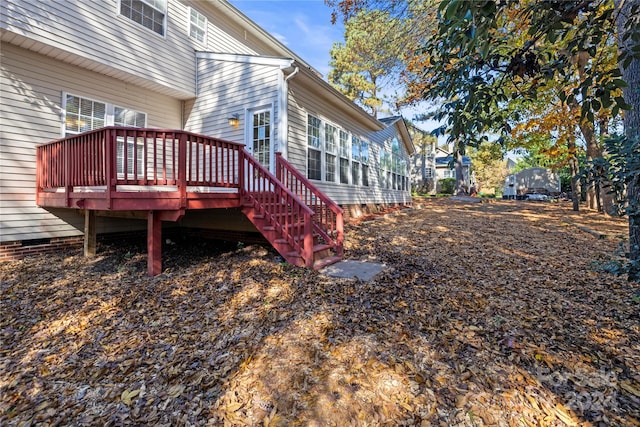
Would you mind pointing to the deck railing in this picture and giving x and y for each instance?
(284, 210)
(328, 217)
(113, 156)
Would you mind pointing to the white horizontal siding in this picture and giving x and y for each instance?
(303, 101)
(96, 31)
(30, 114)
(227, 88)
(223, 34)
(93, 35)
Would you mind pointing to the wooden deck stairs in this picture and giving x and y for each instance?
(274, 227)
(164, 173)
(299, 221)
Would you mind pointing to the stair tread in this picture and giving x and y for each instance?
(321, 247)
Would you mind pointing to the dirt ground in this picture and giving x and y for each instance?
(496, 313)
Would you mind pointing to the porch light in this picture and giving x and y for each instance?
(234, 120)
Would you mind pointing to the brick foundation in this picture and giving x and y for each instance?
(11, 251)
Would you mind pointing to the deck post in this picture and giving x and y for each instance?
(89, 233)
(154, 244)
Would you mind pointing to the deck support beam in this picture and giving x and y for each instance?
(154, 244)
(89, 233)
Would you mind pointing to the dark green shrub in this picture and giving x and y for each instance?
(447, 185)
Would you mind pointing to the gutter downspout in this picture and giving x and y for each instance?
(283, 103)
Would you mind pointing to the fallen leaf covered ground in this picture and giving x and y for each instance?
(488, 314)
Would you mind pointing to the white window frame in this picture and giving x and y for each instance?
(429, 173)
(328, 151)
(344, 151)
(394, 168)
(449, 173)
(130, 146)
(314, 143)
(356, 151)
(151, 4)
(109, 121)
(63, 130)
(339, 152)
(191, 24)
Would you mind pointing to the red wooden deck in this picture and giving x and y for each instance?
(164, 173)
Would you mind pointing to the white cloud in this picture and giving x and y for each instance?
(302, 26)
(281, 38)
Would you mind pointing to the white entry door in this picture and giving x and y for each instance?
(259, 138)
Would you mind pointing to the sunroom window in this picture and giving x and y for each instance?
(364, 158)
(314, 149)
(355, 160)
(344, 157)
(151, 14)
(330, 152)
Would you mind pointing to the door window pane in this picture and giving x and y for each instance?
(261, 139)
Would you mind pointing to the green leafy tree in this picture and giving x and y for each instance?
(365, 62)
(628, 22)
(487, 53)
(489, 166)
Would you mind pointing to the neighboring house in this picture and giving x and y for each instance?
(532, 181)
(423, 165)
(444, 164)
(196, 66)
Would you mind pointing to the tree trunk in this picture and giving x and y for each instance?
(631, 94)
(423, 167)
(593, 151)
(576, 190)
(606, 197)
(460, 182)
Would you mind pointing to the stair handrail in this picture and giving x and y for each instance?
(279, 192)
(331, 229)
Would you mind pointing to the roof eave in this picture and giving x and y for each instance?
(340, 98)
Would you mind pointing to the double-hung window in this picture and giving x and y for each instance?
(335, 155)
(449, 173)
(83, 115)
(355, 160)
(428, 172)
(314, 149)
(395, 164)
(132, 151)
(364, 158)
(197, 26)
(384, 167)
(330, 152)
(393, 168)
(344, 157)
(151, 14)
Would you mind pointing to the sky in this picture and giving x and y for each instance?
(304, 26)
